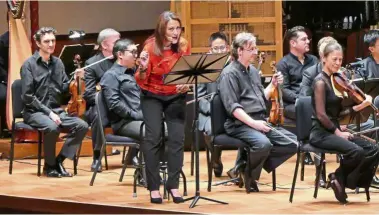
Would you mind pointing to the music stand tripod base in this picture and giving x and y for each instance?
(195, 69)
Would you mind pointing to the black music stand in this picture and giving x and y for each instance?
(68, 53)
(195, 69)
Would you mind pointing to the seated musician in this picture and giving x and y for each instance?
(371, 63)
(92, 76)
(44, 80)
(121, 91)
(292, 67)
(244, 99)
(218, 42)
(306, 90)
(360, 156)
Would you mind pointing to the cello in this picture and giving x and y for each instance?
(77, 105)
(276, 112)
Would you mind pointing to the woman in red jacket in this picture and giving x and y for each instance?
(159, 55)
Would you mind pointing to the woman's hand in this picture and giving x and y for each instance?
(143, 61)
(182, 88)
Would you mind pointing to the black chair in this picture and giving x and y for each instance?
(111, 139)
(222, 140)
(17, 107)
(304, 124)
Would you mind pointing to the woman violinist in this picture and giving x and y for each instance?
(159, 55)
(359, 156)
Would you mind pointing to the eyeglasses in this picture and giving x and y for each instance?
(218, 48)
(253, 50)
(133, 52)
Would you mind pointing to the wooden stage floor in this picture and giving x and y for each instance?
(24, 191)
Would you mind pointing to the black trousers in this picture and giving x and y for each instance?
(289, 111)
(153, 108)
(91, 118)
(132, 130)
(359, 156)
(3, 101)
(77, 131)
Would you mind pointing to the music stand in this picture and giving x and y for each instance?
(195, 69)
(68, 53)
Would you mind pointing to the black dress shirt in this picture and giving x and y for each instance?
(43, 84)
(292, 70)
(92, 76)
(122, 95)
(241, 87)
(370, 70)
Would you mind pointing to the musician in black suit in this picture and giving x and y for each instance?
(92, 77)
(218, 43)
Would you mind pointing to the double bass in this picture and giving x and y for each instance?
(77, 105)
(276, 112)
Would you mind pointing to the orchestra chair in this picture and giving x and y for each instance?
(304, 111)
(111, 139)
(222, 140)
(17, 107)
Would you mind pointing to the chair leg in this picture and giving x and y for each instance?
(11, 153)
(135, 183)
(274, 180)
(76, 160)
(102, 151)
(184, 183)
(39, 152)
(318, 175)
(298, 157)
(367, 194)
(302, 166)
(123, 166)
(209, 165)
(123, 155)
(106, 158)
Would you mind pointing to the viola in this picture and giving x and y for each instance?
(77, 105)
(276, 112)
(344, 88)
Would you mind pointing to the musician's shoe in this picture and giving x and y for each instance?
(308, 159)
(322, 183)
(236, 171)
(375, 181)
(94, 164)
(217, 164)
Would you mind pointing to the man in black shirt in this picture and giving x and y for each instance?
(92, 76)
(218, 42)
(244, 99)
(371, 63)
(44, 81)
(121, 91)
(292, 66)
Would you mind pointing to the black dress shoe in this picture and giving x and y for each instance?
(217, 168)
(236, 171)
(338, 189)
(375, 181)
(177, 199)
(308, 159)
(155, 200)
(321, 183)
(94, 164)
(62, 170)
(53, 173)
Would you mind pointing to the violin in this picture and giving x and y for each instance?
(276, 112)
(344, 88)
(77, 105)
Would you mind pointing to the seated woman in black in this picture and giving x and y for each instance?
(360, 156)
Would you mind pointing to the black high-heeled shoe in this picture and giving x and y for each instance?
(176, 200)
(155, 200)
